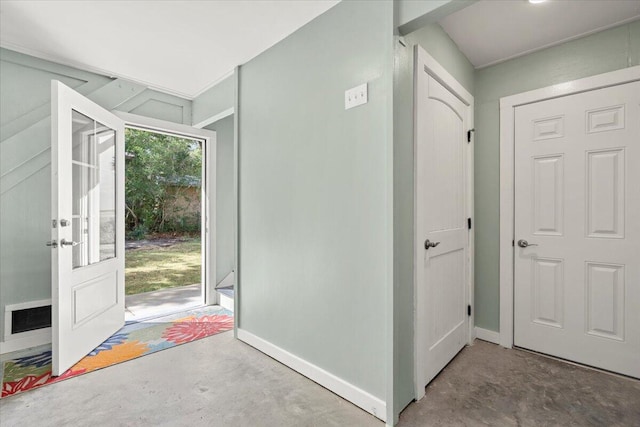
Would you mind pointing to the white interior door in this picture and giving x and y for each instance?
(577, 205)
(442, 233)
(87, 167)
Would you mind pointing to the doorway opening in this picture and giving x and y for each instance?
(164, 232)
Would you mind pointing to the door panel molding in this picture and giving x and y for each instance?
(434, 83)
(507, 171)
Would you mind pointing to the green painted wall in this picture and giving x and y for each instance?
(314, 245)
(435, 41)
(605, 51)
(217, 99)
(412, 15)
(25, 157)
(225, 198)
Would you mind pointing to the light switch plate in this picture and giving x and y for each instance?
(355, 96)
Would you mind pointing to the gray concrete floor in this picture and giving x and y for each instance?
(165, 301)
(489, 385)
(215, 381)
(219, 381)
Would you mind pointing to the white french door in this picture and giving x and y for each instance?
(442, 234)
(577, 228)
(87, 166)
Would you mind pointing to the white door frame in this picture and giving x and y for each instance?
(208, 198)
(507, 176)
(424, 61)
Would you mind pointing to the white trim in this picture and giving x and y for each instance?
(225, 302)
(487, 335)
(236, 198)
(215, 118)
(208, 211)
(443, 77)
(507, 165)
(348, 391)
(439, 73)
(157, 125)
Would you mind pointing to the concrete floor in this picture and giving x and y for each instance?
(219, 381)
(165, 301)
(216, 381)
(489, 385)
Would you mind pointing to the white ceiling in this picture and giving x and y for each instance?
(491, 31)
(180, 47)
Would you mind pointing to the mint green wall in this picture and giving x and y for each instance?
(412, 15)
(225, 198)
(605, 51)
(435, 41)
(217, 99)
(314, 246)
(25, 157)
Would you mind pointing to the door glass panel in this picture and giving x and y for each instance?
(94, 191)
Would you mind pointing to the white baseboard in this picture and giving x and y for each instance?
(487, 335)
(34, 339)
(353, 394)
(225, 302)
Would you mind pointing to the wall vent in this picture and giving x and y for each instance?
(27, 319)
(30, 319)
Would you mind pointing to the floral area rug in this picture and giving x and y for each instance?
(135, 339)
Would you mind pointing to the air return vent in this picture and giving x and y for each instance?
(30, 319)
(26, 319)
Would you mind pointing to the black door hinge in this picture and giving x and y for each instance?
(469, 134)
(469, 223)
(469, 310)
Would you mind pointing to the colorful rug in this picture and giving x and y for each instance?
(135, 339)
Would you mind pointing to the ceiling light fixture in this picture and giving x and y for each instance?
(537, 1)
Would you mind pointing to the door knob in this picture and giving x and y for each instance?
(523, 243)
(64, 242)
(429, 244)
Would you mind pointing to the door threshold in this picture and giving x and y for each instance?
(157, 315)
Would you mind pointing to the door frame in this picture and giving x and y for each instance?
(424, 62)
(208, 189)
(507, 176)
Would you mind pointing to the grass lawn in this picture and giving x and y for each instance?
(153, 268)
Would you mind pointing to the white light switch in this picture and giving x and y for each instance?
(355, 96)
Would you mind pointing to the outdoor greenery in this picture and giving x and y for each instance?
(153, 268)
(157, 165)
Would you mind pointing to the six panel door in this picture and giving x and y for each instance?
(577, 204)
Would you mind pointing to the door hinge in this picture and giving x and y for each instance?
(513, 243)
(469, 134)
(469, 223)
(469, 310)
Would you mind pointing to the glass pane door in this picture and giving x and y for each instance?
(94, 191)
